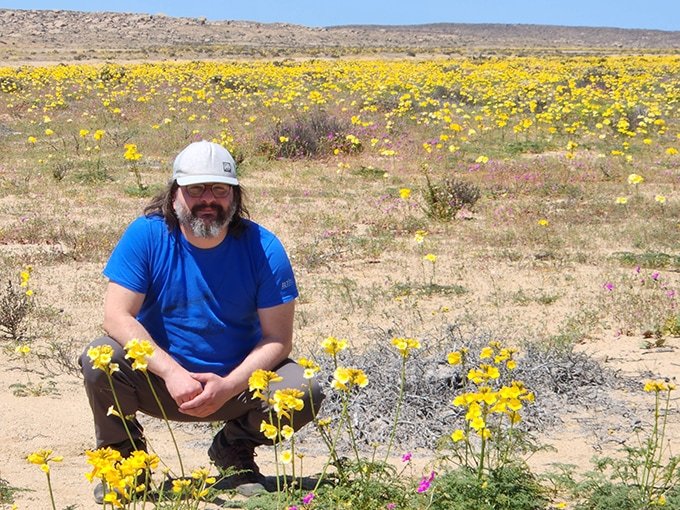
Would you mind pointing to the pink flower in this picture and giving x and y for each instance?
(425, 483)
(609, 286)
(391, 506)
(655, 275)
(406, 457)
(308, 498)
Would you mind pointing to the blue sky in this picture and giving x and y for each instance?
(654, 14)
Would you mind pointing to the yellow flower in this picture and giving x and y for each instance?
(482, 160)
(419, 236)
(139, 351)
(49, 132)
(200, 474)
(25, 276)
(101, 358)
(131, 153)
(324, 422)
(660, 199)
(42, 457)
(32, 139)
(287, 432)
(286, 400)
(457, 435)
(269, 430)
(621, 200)
(98, 134)
(658, 385)
(260, 380)
(405, 345)
(346, 378)
(457, 357)
(405, 193)
(484, 373)
(283, 139)
(22, 349)
(543, 222)
(333, 346)
(430, 257)
(310, 367)
(181, 485)
(635, 179)
(286, 457)
(103, 462)
(486, 352)
(477, 423)
(84, 132)
(671, 151)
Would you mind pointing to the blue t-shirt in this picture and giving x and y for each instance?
(201, 305)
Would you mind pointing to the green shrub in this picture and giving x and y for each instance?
(443, 200)
(507, 488)
(313, 135)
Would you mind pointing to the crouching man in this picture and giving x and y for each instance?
(214, 293)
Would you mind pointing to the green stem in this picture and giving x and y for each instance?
(276, 454)
(652, 446)
(656, 464)
(49, 487)
(167, 422)
(333, 456)
(350, 431)
(120, 410)
(292, 450)
(482, 452)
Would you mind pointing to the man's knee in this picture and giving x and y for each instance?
(90, 374)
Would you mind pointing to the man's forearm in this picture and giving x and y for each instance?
(124, 329)
(266, 355)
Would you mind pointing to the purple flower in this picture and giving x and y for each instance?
(425, 483)
(391, 506)
(655, 275)
(406, 457)
(609, 286)
(292, 507)
(308, 498)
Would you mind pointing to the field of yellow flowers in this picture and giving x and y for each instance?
(533, 200)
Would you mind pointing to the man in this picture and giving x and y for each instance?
(214, 293)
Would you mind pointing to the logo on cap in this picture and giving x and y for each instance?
(226, 166)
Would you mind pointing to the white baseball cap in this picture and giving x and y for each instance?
(202, 162)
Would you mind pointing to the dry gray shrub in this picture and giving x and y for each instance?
(562, 381)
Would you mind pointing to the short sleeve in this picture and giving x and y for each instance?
(277, 280)
(128, 264)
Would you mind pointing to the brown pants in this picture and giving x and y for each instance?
(243, 413)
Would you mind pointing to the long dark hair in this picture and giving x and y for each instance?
(162, 205)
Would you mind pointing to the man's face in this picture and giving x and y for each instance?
(201, 212)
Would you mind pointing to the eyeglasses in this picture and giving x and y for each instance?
(218, 190)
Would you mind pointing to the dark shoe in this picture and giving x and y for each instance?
(238, 456)
(99, 492)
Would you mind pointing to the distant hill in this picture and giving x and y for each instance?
(47, 36)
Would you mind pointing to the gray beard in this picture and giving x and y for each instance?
(203, 228)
